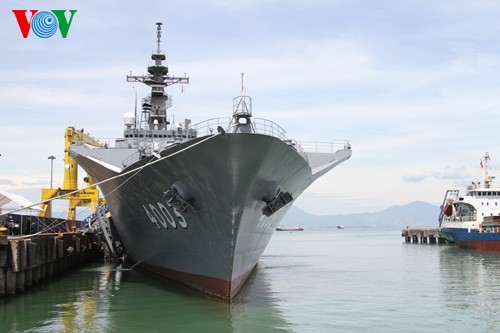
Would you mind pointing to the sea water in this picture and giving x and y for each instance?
(316, 280)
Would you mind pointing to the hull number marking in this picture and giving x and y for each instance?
(165, 216)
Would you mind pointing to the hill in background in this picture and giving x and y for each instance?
(415, 214)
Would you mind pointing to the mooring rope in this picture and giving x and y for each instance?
(134, 171)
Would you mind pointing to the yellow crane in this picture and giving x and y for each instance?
(87, 197)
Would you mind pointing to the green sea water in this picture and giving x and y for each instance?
(316, 280)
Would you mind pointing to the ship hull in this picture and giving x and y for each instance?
(228, 181)
(473, 239)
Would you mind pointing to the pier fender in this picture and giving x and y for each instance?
(70, 250)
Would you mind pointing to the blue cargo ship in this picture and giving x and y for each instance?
(473, 220)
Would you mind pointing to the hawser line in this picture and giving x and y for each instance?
(138, 169)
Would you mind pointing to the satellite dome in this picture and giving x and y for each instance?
(129, 119)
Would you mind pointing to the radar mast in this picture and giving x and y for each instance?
(155, 105)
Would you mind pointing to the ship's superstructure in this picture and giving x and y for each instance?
(473, 220)
(198, 203)
(151, 132)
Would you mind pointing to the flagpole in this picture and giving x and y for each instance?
(135, 112)
(242, 84)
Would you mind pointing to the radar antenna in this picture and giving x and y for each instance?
(158, 34)
(155, 105)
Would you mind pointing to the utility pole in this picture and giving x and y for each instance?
(51, 158)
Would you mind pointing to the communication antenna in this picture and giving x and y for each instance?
(242, 84)
(158, 35)
(488, 180)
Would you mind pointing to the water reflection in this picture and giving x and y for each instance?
(256, 309)
(109, 298)
(70, 304)
(471, 287)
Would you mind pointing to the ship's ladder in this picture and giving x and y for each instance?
(105, 226)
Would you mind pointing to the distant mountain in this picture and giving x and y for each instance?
(414, 214)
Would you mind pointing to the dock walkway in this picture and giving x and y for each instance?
(423, 235)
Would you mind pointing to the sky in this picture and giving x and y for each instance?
(413, 85)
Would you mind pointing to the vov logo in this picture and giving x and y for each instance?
(44, 24)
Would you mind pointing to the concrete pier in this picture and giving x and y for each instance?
(27, 260)
(423, 235)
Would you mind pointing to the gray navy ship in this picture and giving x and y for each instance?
(198, 203)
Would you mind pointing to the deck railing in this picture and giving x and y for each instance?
(268, 127)
(209, 126)
(261, 126)
(325, 147)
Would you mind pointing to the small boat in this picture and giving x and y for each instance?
(341, 226)
(298, 228)
(473, 220)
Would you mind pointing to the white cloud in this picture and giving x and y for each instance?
(458, 173)
(412, 85)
